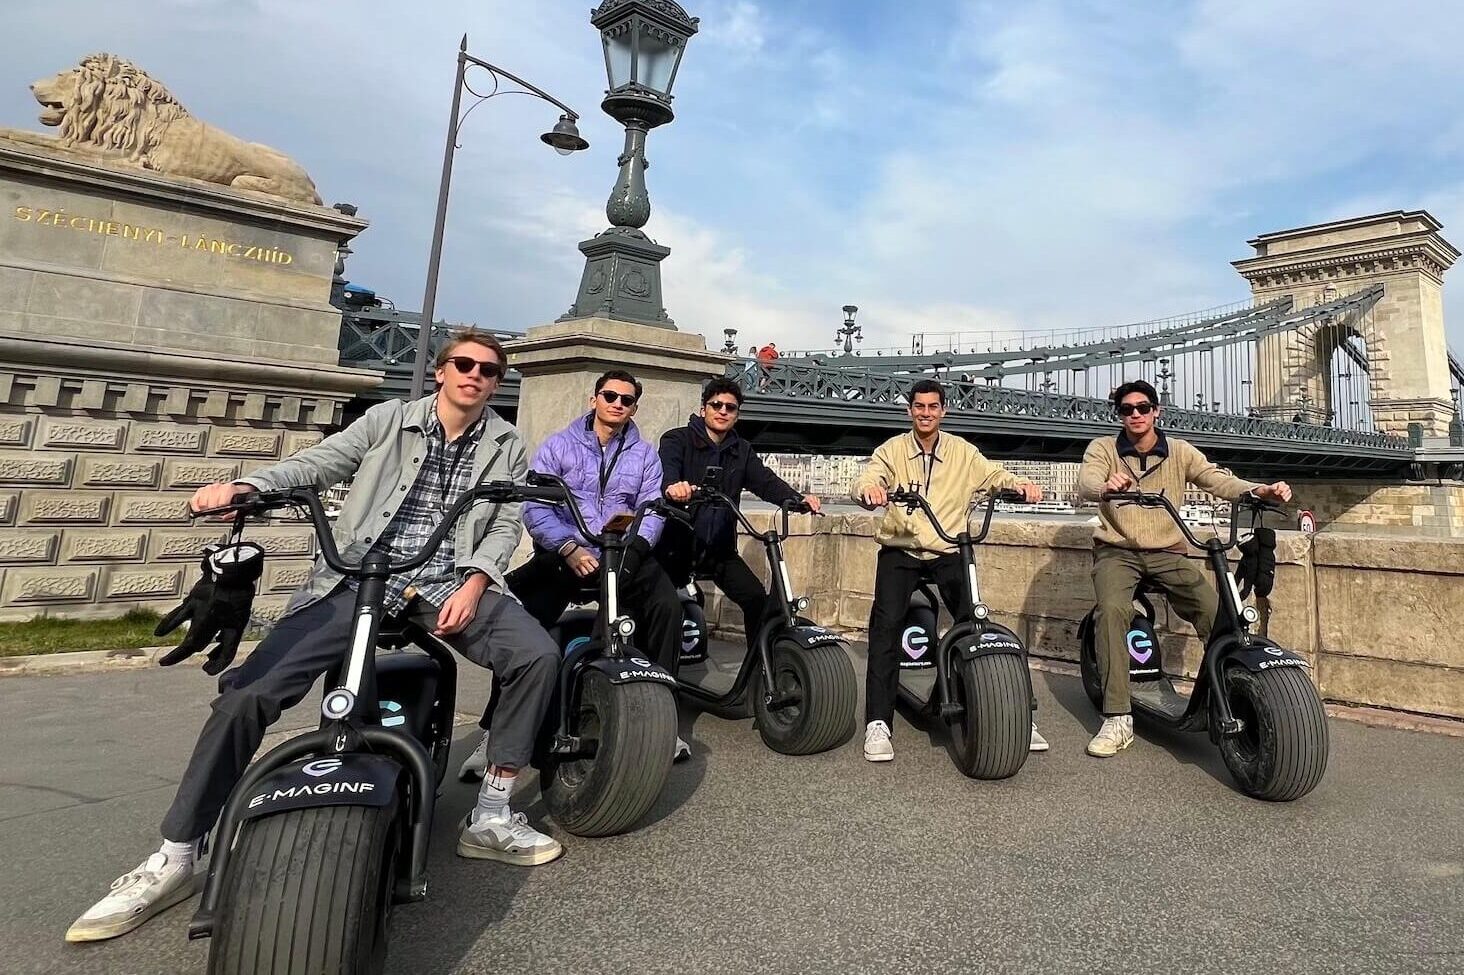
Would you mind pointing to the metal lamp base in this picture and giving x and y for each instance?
(622, 279)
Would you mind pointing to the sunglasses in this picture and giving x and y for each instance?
(1129, 409)
(612, 397)
(723, 406)
(466, 364)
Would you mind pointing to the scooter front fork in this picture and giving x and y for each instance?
(773, 699)
(1225, 719)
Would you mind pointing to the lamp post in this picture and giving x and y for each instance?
(850, 333)
(564, 138)
(729, 345)
(643, 41)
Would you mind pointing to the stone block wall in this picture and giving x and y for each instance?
(1378, 618)
(1427, 508)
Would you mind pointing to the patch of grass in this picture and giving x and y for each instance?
(47, 634)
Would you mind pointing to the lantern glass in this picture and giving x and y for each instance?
(619, 54)
(657, 61)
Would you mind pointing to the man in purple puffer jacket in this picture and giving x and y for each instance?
(610, 470)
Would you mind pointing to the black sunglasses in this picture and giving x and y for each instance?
(466, 364)
(723, 406)
(612, 397)
(1129, 409)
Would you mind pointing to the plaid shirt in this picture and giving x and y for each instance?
(447, 471)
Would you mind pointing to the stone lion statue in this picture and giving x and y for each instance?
(110, 109)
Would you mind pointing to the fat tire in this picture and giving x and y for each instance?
(606, 795)
(308, 892)
(1088, 661)
(824, 718)
(991, 738)
(1282, 753)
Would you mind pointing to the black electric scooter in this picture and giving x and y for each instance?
(325, 832)
(1252, 695)
(796, 674)
(614, 717)
(983, 689)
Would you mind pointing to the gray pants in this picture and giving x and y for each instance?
(304, 645)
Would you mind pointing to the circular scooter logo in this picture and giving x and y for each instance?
(1140, 646)
(915, 642)
(690, 636)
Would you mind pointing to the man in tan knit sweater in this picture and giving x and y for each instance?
(948, 471)
(1134, 544)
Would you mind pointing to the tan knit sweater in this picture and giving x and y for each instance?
(1151, 529)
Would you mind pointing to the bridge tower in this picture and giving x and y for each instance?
(1406, 350)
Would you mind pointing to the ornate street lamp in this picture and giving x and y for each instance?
(850, 333)
(564, 138)
(643, 41)
(729, 345)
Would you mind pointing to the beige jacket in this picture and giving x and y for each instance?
(1169, 468)
(955, 470)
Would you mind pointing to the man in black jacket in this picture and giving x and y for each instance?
(709, 546)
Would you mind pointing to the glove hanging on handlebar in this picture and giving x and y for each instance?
(1257, 563)
(217, 606)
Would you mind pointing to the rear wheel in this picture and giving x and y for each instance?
(820, 683)
(1281, 753)
(608, 793)
(991, 738)
(308, 892)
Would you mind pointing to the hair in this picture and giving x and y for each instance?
(620, 376)
(1134, 386)
(927, 386)
(721, 385)
(478, 337)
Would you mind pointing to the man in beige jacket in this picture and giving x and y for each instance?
(1134, 544)
(948, 471)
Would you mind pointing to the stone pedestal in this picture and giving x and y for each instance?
(156, 334)
(560, 363)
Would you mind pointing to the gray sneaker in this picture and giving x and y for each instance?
(475, 766)
(508, 840)
(152, 888)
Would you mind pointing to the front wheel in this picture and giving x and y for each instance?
(819, 683)
(308, 892)
(635, 727)
(991, 738)
(1281, 752)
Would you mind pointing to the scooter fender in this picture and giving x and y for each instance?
(809, 636)
(991, 638)
(352, 779)
(1262, 655)
(624, 670)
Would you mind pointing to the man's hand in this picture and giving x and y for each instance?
(1031, 493)
(875, 497)
(582, 562)
(460, 607)
(216, 495)
(680, 491)
(812, 501)
(1119, 481)
(1280, 491)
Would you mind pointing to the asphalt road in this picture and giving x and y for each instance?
(753, 862)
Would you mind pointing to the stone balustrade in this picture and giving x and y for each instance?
(1378, 617)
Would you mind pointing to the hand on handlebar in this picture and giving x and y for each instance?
(875, 497)
(680, 491)
(811, 500)
(1031, 493)
(582, 562)
(1280, 491)
(1119, 481)
(216, 496)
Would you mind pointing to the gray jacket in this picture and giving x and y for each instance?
(384, 449)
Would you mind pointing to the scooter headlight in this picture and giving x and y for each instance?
(338, 703)
(625, 626)
(1249, 614)
(801, 603)
(980, 611)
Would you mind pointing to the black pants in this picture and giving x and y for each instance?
(305, 644)
(897, 573)
(546, 585)
(734, 577)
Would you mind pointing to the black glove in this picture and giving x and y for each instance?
(1257, 563)
(217, 606)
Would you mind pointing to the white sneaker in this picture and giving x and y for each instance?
(683, 750)
(1116, 734)
(475, 766)
(1038, 743)
(509, 840)
(152, 888)
(877, 744)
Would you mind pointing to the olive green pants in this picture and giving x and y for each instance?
(1117, 572)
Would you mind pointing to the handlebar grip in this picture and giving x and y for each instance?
(1007, 494)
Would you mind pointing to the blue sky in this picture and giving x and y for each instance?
(944, 165)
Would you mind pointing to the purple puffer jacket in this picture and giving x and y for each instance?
(632, 477)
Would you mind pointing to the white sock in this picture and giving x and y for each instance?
(179, 854)
(493, 797)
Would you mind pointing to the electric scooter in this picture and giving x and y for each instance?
(327, 831)
(983, 689)
(1253, 696)
(796, 674)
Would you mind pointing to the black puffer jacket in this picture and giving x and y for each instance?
(686, 453)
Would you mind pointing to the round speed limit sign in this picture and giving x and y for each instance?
(1307, 522)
